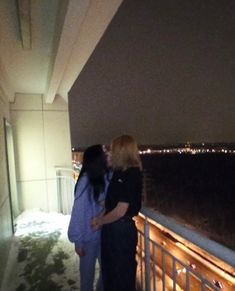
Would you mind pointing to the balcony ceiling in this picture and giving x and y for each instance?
(45, 44)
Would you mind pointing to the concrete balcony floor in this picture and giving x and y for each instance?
(41, 257)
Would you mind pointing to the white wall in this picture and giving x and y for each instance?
(42, 141)
(5, 214)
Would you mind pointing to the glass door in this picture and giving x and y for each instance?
(10, 156)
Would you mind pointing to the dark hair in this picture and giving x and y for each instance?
(95, 166)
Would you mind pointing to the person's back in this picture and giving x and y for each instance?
(84, 209)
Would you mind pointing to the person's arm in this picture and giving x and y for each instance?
(118, 212)
(76, 227)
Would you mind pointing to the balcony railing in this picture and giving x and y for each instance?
(162, 265)
(65, 189)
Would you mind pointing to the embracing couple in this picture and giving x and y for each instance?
(107, 197)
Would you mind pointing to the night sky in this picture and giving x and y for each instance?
(164, 72)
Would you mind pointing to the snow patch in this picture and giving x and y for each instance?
(41, 234)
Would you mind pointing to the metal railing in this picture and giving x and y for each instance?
(160, 270)
(65, 189)
(163, 267)
(219, 251)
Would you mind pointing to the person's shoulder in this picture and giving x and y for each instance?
(82, 184)
(83, 179)
(133, 172)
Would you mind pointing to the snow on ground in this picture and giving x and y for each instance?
(41, 257)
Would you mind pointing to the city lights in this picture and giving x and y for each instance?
(191, 149)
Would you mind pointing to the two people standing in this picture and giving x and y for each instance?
(118, 230)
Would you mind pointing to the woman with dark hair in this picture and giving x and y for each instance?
(89, 200)
(122, 203)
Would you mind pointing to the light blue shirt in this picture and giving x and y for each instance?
(84, 209)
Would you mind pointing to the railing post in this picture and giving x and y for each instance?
(141, 262)
(163, 270)
(187, 280)
(147, 255)
(58, 182)
(174, 274)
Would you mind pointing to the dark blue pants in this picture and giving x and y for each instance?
(118, 252)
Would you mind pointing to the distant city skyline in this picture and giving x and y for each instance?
(183, 148)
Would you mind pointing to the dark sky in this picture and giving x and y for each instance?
(164, 72)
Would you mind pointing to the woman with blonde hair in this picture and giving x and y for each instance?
(122, 203)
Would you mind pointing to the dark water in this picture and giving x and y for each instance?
(196, 189)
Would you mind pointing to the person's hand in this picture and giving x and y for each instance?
(80, 251)
(96, 223)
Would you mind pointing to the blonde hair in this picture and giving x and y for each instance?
(125, 153)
